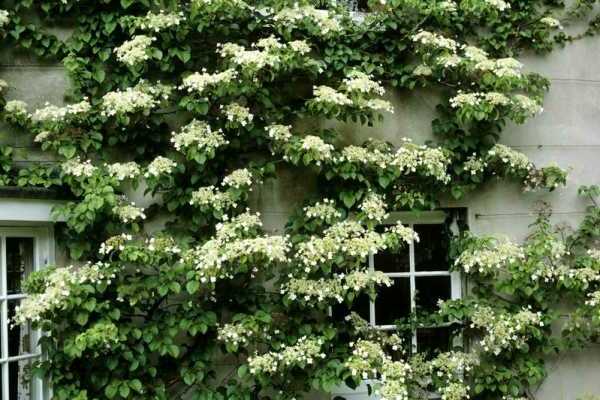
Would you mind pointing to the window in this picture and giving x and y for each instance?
(22, 251)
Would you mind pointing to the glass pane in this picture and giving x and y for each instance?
(20, 337)
(433, 340)
(392, 302)
(19, 262)
(431, 289)
(19, 380)
(388, 261)
(432, 249)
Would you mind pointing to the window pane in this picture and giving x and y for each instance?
(20, 337)
(19, 381)
(430, 289)
(19, 262)
(388, 261)
(432, 249)
(433, 340)
(392, 302)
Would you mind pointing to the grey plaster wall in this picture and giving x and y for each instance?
(567, 132)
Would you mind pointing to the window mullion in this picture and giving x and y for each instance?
(371, 302)
(4, 317)
(413, 285)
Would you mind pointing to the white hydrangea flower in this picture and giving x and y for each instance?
(526, 105)
(513, 159)
(135, 51)
(238, 178)
(160, 166)
(198, 82)
(435, 40)
(129, 213)
(490, 259)
(279, 133)
(132, 99)
(16, 107)
(294, 16)
(250, 59)
(475, 165)
(475, 54)
(42, 136)
(324, 210)
(380, 105)
(200, 135)
(237, 114)
(374, 207)
(358, 81)
(209, 196)
(75, 167)
(328, 95)
(53, 113)
(114, 243)
(362, 155)
(300, 46)
(4, 18)
(122, 171)
(465, 99)
(551, 22)
(157, 22)
(500, 5)
(422, 70)
(59, 285)
(320, 150)
(305, 352)
(449, 60)
(432, 162)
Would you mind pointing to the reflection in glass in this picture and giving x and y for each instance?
(392, 302)
(432, 249)
(431, 289)
(19, 262)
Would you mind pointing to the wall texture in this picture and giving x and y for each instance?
(567, 132)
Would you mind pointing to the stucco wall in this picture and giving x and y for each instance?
(567, 132)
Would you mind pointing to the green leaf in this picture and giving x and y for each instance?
(82, 318)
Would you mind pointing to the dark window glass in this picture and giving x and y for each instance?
(392, 302)
(387, 261)
(19, 262)
(433, 340)
(429, 290)
(431, 252)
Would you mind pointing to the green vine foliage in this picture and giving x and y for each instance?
(198, 103)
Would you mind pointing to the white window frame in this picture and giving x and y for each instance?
(411, 219)
(43, 255)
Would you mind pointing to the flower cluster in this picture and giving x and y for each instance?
(328, 95)
(333, 289)
(358, 81)
(500, 5)
(250, 60)
(502, 67)
(324, 210)
(474, 165)
(239, 178)
(4, 18)
(452, 365)
(16, 108)
(505, 331)
(324, 23)
(159, 166)
(349, 238)
(51, 113)
(434, 40)
(488, 259)
(432, 162)
(140, 98)
(516, 162)
(198, 82)
(235, 249)
(210, 197)
(362, 155)
(302, 354)
(157, 22)
(114, 243)
(200, 135)
(75, 167)
(162, 244)
(237, 114)
(368, 360)
(129, 213)
(374, 207)
(551, 22)
(279, 133)
(122, 171)
(59, 284)
(135, 51)
(318, 149)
